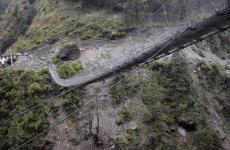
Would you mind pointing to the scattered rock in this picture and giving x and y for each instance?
(181, 131)
(131, 126)
(81, 49)
(173, 128)
(222, 135)
(69, 52)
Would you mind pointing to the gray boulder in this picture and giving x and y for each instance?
(69, 52)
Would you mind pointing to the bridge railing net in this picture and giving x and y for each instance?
(168, 20)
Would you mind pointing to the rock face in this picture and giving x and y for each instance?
(69, 52)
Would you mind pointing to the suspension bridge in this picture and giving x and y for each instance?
(174, 26)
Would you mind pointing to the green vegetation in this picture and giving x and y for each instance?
(220, 44)
(133, 137)
(54, 110)
(215, 80)
(213, 72)
(170, 99)
(15, 135)
(124, 116)
(167, 96)
(206, 139)
(37, 23)
(122, 90)
(22, 20)
(20, 88)
(71, 101)
(108, 29)
(56, 59)
(218, 69)
(69, 69)
(66, 45)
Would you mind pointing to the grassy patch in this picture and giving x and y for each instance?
(71, 101)
(127, 88)
(55, 21)
(56, 59)
(201, 53)
(69, 69)
(124, 116)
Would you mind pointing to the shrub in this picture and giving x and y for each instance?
(204, 66)
(34, 89)
(124, 116)
(69, 69)
(56, 59)
(54, 110)
(160, 65)
(71, 101)
(201, 53)
(66, 45)
(206, 139)
(218, 68)
(133, 136)
(117, 94)
(129, 87)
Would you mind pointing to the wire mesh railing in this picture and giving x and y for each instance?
(172, 17)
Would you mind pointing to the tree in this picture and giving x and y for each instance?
(207, 139)
(15, 134)
(34, 89)
(134, 7)
(152, 97)
(181, 80)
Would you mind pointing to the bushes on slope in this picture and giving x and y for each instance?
(69, 69)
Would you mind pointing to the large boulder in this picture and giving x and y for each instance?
(69, 52)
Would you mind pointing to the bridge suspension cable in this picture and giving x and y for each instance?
(104, 92)
(100, 95)
(182, 28)
(31, 107)
(157, 29)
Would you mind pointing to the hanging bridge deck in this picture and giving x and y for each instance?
(151, 39)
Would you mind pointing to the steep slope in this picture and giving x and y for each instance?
(179, 102)
(44, 22)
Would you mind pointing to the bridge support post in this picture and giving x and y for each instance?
(166, 15)
(11, 58)
(186, 13)
(114, 71)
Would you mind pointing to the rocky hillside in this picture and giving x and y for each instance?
(31, 24)
(180, 102)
